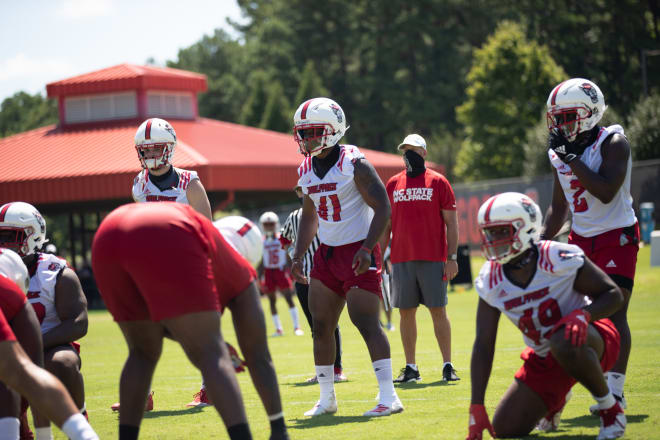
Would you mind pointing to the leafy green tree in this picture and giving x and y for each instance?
(311, 85)
(253, 109)
(22, 112)
(508, 85)
(643, 128)
(277, 114)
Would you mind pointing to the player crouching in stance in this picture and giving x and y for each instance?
(346, 200)
(20, 346)
(542, 287)
(275, 276)
(55, 294)
(132, 261)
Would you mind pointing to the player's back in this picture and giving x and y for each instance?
(344, 217)
(536, 308)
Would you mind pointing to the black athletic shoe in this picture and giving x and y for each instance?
(408, 375)
(449, 374)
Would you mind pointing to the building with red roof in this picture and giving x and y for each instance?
(86, 163)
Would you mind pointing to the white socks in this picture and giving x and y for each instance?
(413, 366)
(277, 322)
(294, 317)
(76, 427)
(383, 370)
(326, 377)
(203, 385)
(44, 433)
(606, 401)
(9, 428)
(615, 382)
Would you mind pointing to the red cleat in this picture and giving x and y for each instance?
(200, 400)
(148, 407)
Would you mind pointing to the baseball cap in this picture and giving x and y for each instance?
(415, 140)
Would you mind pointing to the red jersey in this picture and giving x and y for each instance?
(418, 228)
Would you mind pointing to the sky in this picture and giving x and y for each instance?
(43, 41)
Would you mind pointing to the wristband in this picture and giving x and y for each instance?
(364, 248)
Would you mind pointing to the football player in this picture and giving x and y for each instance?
(559, 300)
(275, 276)
(159, 180)
(55, 294)
(20, 346)
(592, 166)
(346, 201)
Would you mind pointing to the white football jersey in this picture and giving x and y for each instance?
(41, 292)
(145, 191)
(274, 256)
(344, 216)
(591, 216)
(242, 235)
(549, 296)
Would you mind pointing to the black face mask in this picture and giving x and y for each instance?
(168, 180)
(322, 166)
(414, 163)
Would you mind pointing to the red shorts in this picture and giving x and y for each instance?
(156, 261)
(550, 381)
(333, 267)
(615, 251)
(275, 279)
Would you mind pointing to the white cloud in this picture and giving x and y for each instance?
(77, 9)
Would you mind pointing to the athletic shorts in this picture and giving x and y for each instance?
(615, 252)
(276, 279)
(156, 261)
(418, 282)
(549, 380)
(333, 267)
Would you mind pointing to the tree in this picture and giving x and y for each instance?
(311, 84)
(253, 109)
(277, 114)
(508, 85)
(23, 111)
(643, 128)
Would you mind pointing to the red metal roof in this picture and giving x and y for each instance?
(128, 77)
(53, 165)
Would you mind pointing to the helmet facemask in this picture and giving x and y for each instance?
(500, 241)
(154, 156)
(568, 121)
(16, 239)
(312, 138)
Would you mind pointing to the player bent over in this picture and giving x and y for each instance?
(20, 333)
(132, 256)
(542, 287)
(346, 200)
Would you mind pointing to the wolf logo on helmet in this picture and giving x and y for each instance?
(337, 111)
(529, 207)
(590, 92)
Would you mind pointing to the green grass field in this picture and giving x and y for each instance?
(433, 409)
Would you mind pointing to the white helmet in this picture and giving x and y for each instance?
(12, 266)
(575, 106)
(243, 235)
(152, 134)
(22, 228)
(319, 119)
(521, 219)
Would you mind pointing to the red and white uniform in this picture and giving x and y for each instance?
(344, 221)
(145, 191)
(418, 227)
(12, 301)
(591, 216)
(274, 259)
(344, 217)
(41, 293)
(537, 308)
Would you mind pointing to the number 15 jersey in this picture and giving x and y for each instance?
(591, 216)
(549, 296)
(344, 216)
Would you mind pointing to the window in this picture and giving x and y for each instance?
(170, 104)
(100, 107)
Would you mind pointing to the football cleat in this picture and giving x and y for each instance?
(382, 409)
(298, 331)
(390, 327)
(200, 400)
(340, 377)
(327, 407)
(551, 420)
(279, 332)
(593, 409)
(408, 374)
(148, 407)
(612, 422)
(448, 373)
